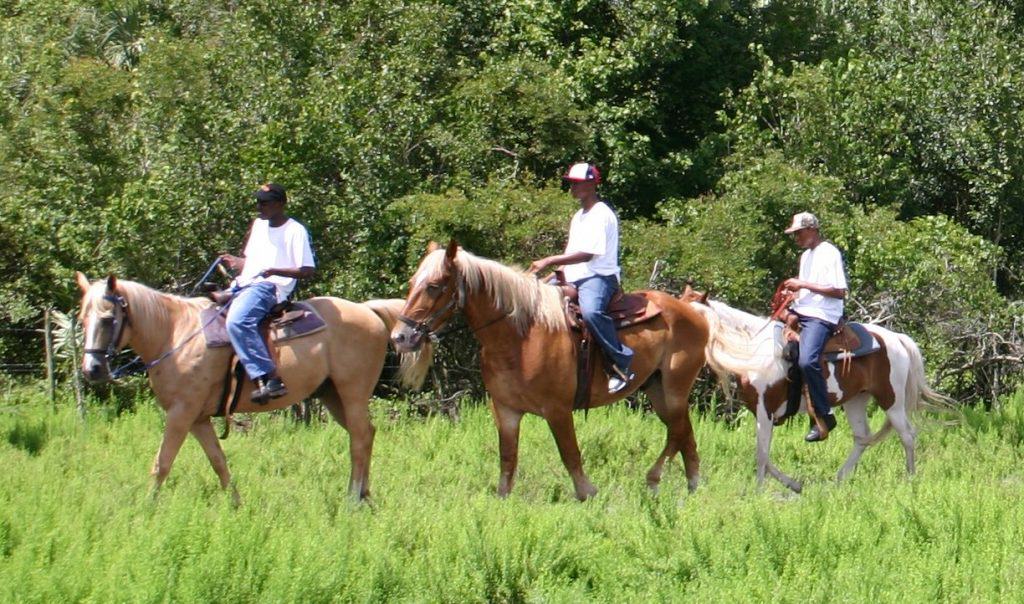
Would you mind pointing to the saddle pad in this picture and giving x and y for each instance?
(303, 320)
(866, 344)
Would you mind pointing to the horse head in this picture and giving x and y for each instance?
(105, 322)
(691, 295)
(435, 294)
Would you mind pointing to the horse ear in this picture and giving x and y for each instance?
(453, 248)
(687, 292)
(111, 283)
(83, 281)
(433, 246)
(704, 298)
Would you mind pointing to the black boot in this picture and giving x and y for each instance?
(816, 434)
(267, 389)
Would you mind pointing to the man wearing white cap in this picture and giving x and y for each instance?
(820, 289)
(591, 263)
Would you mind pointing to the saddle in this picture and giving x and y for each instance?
(624, 309)
(848, 341)
(286, 321)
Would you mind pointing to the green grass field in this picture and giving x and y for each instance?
(77, 524)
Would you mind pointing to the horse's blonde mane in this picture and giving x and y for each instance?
(526, 300)
(741, 343)
(146, 305)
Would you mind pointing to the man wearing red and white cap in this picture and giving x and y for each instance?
(591, 263)
(820, 289)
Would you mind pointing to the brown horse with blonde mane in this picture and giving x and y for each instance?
(341, 364)
(528, 360)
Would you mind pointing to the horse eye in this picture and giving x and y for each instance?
(433, 288)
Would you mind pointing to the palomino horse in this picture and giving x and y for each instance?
(340, 363)
(528, 360)
(750, 348)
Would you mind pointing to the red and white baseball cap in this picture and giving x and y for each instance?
(583, 172)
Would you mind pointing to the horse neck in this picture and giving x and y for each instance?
(156, 319)
(489, 324)
(746, 345)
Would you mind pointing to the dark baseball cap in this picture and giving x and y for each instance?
(271, 192)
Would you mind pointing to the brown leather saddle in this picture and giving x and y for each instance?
(286, 321)
(624, 309)
(848, 341)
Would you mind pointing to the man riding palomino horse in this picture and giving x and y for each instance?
(819, 290)
(276, 254)
(591, 264)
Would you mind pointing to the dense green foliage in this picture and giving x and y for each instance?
(133, 131)
(76, 523)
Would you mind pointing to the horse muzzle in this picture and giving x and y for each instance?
(406, 339)
(95, 371)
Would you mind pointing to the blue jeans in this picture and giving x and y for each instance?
(813, 335)
(595, 292)
(249, 306)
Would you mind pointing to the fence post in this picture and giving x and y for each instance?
(51, 374)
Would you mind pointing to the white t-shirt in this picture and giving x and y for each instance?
(822, 265)
(596, 232)
(286, 246)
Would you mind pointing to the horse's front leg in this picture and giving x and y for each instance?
(204, 433)
(765, 427)
(560, 422)
(765, 430)
(175, 431)
(507, 421)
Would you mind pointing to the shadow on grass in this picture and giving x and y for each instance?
(28, 436)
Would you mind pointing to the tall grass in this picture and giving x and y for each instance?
(77, 523)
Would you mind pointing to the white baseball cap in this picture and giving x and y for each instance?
(803, 220)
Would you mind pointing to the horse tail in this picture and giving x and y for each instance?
(918, 389)
(413, 365)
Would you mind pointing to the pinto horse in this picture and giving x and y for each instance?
(341, 364)
(750, 348)
(528, 359)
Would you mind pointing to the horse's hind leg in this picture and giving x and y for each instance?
(897, 415)
(857, 414)
(507, 420)
(203, 431)
(349, 405)
(671, 403)
(656, 393)
(560, 422)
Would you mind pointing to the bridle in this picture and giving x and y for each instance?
(424, 328)
(117, 324)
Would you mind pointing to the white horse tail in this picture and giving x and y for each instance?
(918, 390)
(413, 365)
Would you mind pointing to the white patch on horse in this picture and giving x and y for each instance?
(832, 383)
